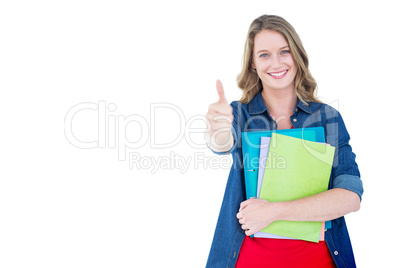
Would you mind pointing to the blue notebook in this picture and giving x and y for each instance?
(251, 152)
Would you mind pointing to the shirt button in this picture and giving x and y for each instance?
(297, 109)
(336, 252)
(294, 120)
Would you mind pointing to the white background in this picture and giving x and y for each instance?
(65, 206)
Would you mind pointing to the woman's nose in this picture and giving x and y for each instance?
(276, 61)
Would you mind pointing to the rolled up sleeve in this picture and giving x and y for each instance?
(349, 182)
(345, 171)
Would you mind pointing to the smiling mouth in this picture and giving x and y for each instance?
(279, 74)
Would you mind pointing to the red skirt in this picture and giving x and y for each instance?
(281, 253)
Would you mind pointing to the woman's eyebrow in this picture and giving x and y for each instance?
(265, 50)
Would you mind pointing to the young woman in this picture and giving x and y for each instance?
(278, 93)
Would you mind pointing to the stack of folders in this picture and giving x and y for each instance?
(291, 165)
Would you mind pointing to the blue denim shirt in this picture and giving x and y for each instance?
(254, 116)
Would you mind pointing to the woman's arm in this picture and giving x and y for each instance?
(256, 214)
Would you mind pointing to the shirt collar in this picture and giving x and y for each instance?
(304, 107)
(257, 105)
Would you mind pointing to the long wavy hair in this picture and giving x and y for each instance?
(248, 80)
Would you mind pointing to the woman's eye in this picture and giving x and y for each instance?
(264, 55)
(285, 51)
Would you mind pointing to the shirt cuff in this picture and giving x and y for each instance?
(349, 182)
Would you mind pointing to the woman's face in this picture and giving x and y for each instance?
(273, 61)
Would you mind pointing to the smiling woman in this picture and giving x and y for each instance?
(262, 37)
(273, 62)
(278, 93)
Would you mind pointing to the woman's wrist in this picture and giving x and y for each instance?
(281, 209)
(221, 142)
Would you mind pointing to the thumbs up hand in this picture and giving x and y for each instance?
(218, 134)
(221, 92)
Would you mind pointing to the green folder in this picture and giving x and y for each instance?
(251, 151)
(302, 168)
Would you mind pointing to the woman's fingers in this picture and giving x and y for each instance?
(221, 92)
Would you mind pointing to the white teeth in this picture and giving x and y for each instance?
(278, 74)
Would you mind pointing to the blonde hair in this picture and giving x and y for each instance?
(248, 80)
